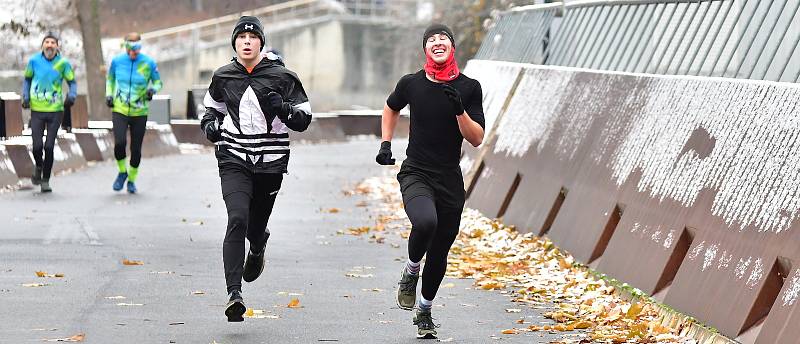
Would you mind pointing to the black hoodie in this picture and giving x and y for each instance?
(237, 100)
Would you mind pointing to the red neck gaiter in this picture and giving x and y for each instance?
(447, 71)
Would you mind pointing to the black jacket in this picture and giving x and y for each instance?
(237, 100)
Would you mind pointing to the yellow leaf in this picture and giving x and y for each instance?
(76, 338)
(449, 285)
(634, 310)
(295, 303)
(510, 331)
(132, 262)
(41, 274)
(249, 312)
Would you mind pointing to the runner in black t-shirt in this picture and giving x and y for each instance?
(446, 108)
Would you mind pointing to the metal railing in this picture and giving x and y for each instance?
(725, 38)
(179, 41)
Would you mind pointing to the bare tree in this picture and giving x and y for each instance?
(89, 18)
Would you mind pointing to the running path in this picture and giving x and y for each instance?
(175, 227)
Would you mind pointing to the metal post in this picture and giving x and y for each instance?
(727, 39)
(533, 50)
(671, 37)
(567, 54)
(624, 34)
(739, 40)
(614, 37)
(713, 38)
(760, 50)
(660, 37)
(557, 40)
(590, 33)
(567, 36)
(603, 26)
(633, 35)
(796, 42)
(606, 38)
(576, 33)
(690, 41)
(636, 49)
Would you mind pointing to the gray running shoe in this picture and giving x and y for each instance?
(235, 308)
(36, 179)
(426, 329)
(407, 291)
(46, 186)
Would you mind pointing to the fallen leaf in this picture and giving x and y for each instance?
(295, 303)
(34, 285)
(76, 338)
(332, 210)
(513, 310)
(45, 274)
(448, 285)
(354, 275)
(132, 262)
(198, 292)
(177, 323)
(510, 331)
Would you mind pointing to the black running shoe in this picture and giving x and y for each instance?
(253, 266)
(36, 179)
(426, 329)
(235, 308)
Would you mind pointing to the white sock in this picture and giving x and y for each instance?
(412, 268)
(425, 304)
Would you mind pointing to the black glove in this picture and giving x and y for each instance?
(110, 101)
(26, 104)
(149, 94)
(384, 156)
(454, 97)
(277, 107)
(69, 101)
(212, 132)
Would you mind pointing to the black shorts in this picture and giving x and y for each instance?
(445, 186)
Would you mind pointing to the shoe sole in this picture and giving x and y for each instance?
(426, 334)
(248, 280)
(235, 311)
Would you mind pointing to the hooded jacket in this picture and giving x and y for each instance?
(251, 136)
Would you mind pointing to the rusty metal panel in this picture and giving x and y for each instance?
(20, 156)
(159, 140)
(10, 115)
(96, 144)
(67, 154)
(682, 187)
(188, 131)
(8, 175)
(80, 112)
(500, 80)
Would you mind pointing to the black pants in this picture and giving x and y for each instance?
(434, 200)
(138, 125)
(39, 122)
(249, 198)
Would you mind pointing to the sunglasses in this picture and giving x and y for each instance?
(135, 46)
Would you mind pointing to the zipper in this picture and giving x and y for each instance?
(130, 85)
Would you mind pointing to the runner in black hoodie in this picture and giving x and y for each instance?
(250, 106)
(446, 108)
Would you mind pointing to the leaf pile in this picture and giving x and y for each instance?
(533, 272)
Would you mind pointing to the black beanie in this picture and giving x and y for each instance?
(51, 34)
(437, 28)
(248, 24)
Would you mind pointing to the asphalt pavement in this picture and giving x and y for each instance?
(175, 227)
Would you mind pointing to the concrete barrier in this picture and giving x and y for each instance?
(159, 140)
(683, 187)
(96, 144)
(188, 131)
(8, 175)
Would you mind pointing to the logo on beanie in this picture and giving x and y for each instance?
(248, 26)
